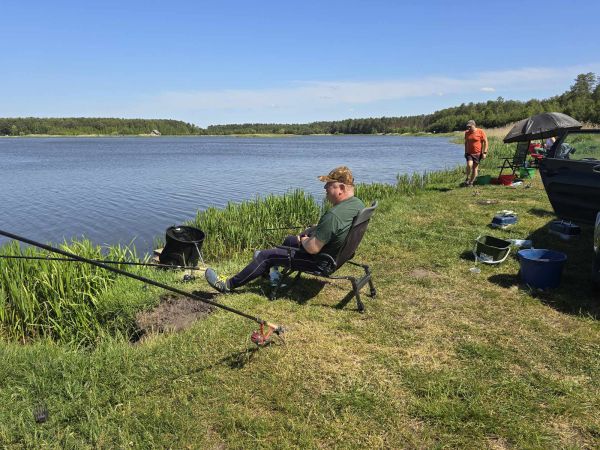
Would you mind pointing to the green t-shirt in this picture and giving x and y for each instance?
(335, 224)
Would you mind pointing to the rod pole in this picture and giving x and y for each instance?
(134, 276)
(126, 263)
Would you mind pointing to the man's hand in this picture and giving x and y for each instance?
(309, 231)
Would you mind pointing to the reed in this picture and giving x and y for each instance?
(54, 299)
(244, 226)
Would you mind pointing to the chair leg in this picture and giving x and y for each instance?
(359, 304)
(373, 291)
(372, 288)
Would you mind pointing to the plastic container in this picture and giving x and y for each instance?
(541, 268)
(491, 250)
(526, 172)
(564, 230)
(483, 179)
(506, 180)
(503, 220)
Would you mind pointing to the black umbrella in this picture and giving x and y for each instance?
(541, 126)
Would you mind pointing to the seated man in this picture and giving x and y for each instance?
(326, 237)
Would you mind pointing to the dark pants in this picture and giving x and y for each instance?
(265, 259)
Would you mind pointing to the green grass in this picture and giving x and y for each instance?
(442, 358)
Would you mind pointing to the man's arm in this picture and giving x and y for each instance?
(484, 147)
(311, 244)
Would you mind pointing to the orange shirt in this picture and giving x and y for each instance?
(474, 141)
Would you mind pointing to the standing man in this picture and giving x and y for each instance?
(476, 148)
(326, 237)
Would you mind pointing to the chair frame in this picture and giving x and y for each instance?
(517, 160)
(345, 255)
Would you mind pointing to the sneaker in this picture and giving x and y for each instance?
(217, 282)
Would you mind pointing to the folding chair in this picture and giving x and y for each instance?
(329, 265)
(518, 159)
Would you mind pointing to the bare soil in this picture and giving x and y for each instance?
(421, 273)
(174, 313)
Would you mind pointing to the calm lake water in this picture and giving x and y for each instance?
(115, 190)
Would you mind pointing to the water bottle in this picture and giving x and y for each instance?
(274, 276)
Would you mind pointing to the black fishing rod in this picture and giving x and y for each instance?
(126, 263)
(258, 337)
(283, 228)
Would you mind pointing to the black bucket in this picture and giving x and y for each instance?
(182, 246)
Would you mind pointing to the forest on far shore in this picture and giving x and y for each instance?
(581, 101)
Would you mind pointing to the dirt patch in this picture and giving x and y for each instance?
(421, 273)
(173, 313)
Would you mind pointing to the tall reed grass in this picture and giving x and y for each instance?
(246, 226)
(54, 299)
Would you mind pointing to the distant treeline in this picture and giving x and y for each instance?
(581, 101)
(89, 125)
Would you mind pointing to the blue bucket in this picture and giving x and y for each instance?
(541, 268)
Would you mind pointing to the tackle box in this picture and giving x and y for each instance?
(564, 230)
(504, 219)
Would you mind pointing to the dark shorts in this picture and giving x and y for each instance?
(475, 158)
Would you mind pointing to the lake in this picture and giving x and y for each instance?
(115, 190)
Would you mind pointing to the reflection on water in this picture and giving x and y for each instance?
(115, 190)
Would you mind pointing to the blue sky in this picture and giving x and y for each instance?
(293, 62)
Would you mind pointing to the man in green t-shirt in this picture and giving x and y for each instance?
(326, 237)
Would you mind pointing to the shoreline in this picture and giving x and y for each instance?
(256, 135)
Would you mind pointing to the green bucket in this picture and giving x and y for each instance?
(490, 249)
(483, 179)
(526, 172)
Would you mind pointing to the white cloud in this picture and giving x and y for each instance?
(331, 100)
(320, 93)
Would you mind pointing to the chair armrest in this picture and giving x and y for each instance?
(325, 262)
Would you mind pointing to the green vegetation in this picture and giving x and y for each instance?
(74, 126)
(441, 358)
(585, 145)
(243, 227)
(68, 302)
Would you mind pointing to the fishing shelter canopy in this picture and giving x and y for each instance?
(541, 126)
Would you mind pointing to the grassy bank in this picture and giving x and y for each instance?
(442, 358)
